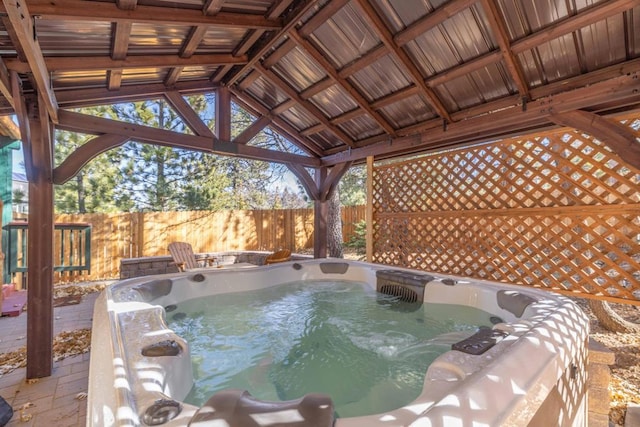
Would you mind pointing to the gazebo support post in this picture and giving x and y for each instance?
(319, 188)
(39, 156)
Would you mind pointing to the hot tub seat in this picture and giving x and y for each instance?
(237, 408)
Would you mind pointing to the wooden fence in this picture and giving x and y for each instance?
(132, 235)
(557, 211)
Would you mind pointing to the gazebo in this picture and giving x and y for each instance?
(343, 80)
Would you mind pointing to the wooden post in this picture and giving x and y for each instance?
(320, 213)
(369, 210)
(223, 114)
(40, 248)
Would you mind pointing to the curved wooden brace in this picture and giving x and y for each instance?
(306, 180)
(622, 140)
(331, 182)
(83, 154)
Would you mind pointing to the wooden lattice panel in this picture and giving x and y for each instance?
(557, 211)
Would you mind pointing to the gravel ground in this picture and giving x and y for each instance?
(625, 373)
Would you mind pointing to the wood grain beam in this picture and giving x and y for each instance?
(126, 4)
(465, 68)
(302, 7)
(252, 37)
(278, 124)
(211, 7)
(188, 48)
(312, 109)
(84, 154)
(5, 84)
(253, 129)
(100, 96)
(20, 107)
(282, 51)
(40, 246)
(89, 63)
(499, 27)
(322, 16)
(580, 20)
(77, 10)
(223, 114)
(76, 122)
(317, 87)
(622, 140)
(426, 23)
(332, 179)
(414, 74)
(22, 24)
(306, 180)
(508, 120)
(114, 79)
(357, 97)
(187, 113)
(364, 61)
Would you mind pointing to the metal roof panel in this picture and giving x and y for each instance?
(380, 78)
(156, 39)
(361, 127)
(266, 92)
(334, 101)
(407, 112)
(298, 70)
(73, 38)
(345, 37)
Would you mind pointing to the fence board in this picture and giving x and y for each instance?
(130, 235)
(557, 210)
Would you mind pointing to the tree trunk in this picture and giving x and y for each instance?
(609, 319)
(334, 227)
(82, 208)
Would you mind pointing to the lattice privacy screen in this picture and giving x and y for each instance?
(557, 211)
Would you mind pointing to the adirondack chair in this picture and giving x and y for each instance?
(184, 257)
(278, 256)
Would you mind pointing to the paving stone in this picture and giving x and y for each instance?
(633, 415)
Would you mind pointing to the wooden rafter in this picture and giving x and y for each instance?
(302, 8)
(189, 47)
(5, 83)
(84, 154)
(503, 122)
(253, 129)
(223, 114)
(341, 81)
(414, 74)
(306, 180)
(621, 139)
(187, 113)
(77, 10)
(431, 20)
(88, 97)
(588, 16)
(121, 32)
(282, 127)
(22, 24)
(468, 67)
(88, 63)
(90, 124)
(312, 109)
(364, 61)
(498, 26)
(126, 4)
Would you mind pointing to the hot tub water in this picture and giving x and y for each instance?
(366, 350)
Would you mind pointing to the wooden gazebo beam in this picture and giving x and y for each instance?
(39, 150)
(622, 140)
(502, 122)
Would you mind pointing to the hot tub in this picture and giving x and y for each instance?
(528, 369)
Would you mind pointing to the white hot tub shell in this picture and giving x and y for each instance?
(535, 375)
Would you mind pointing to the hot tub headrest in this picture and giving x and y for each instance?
(514, 301)
(239, 409)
